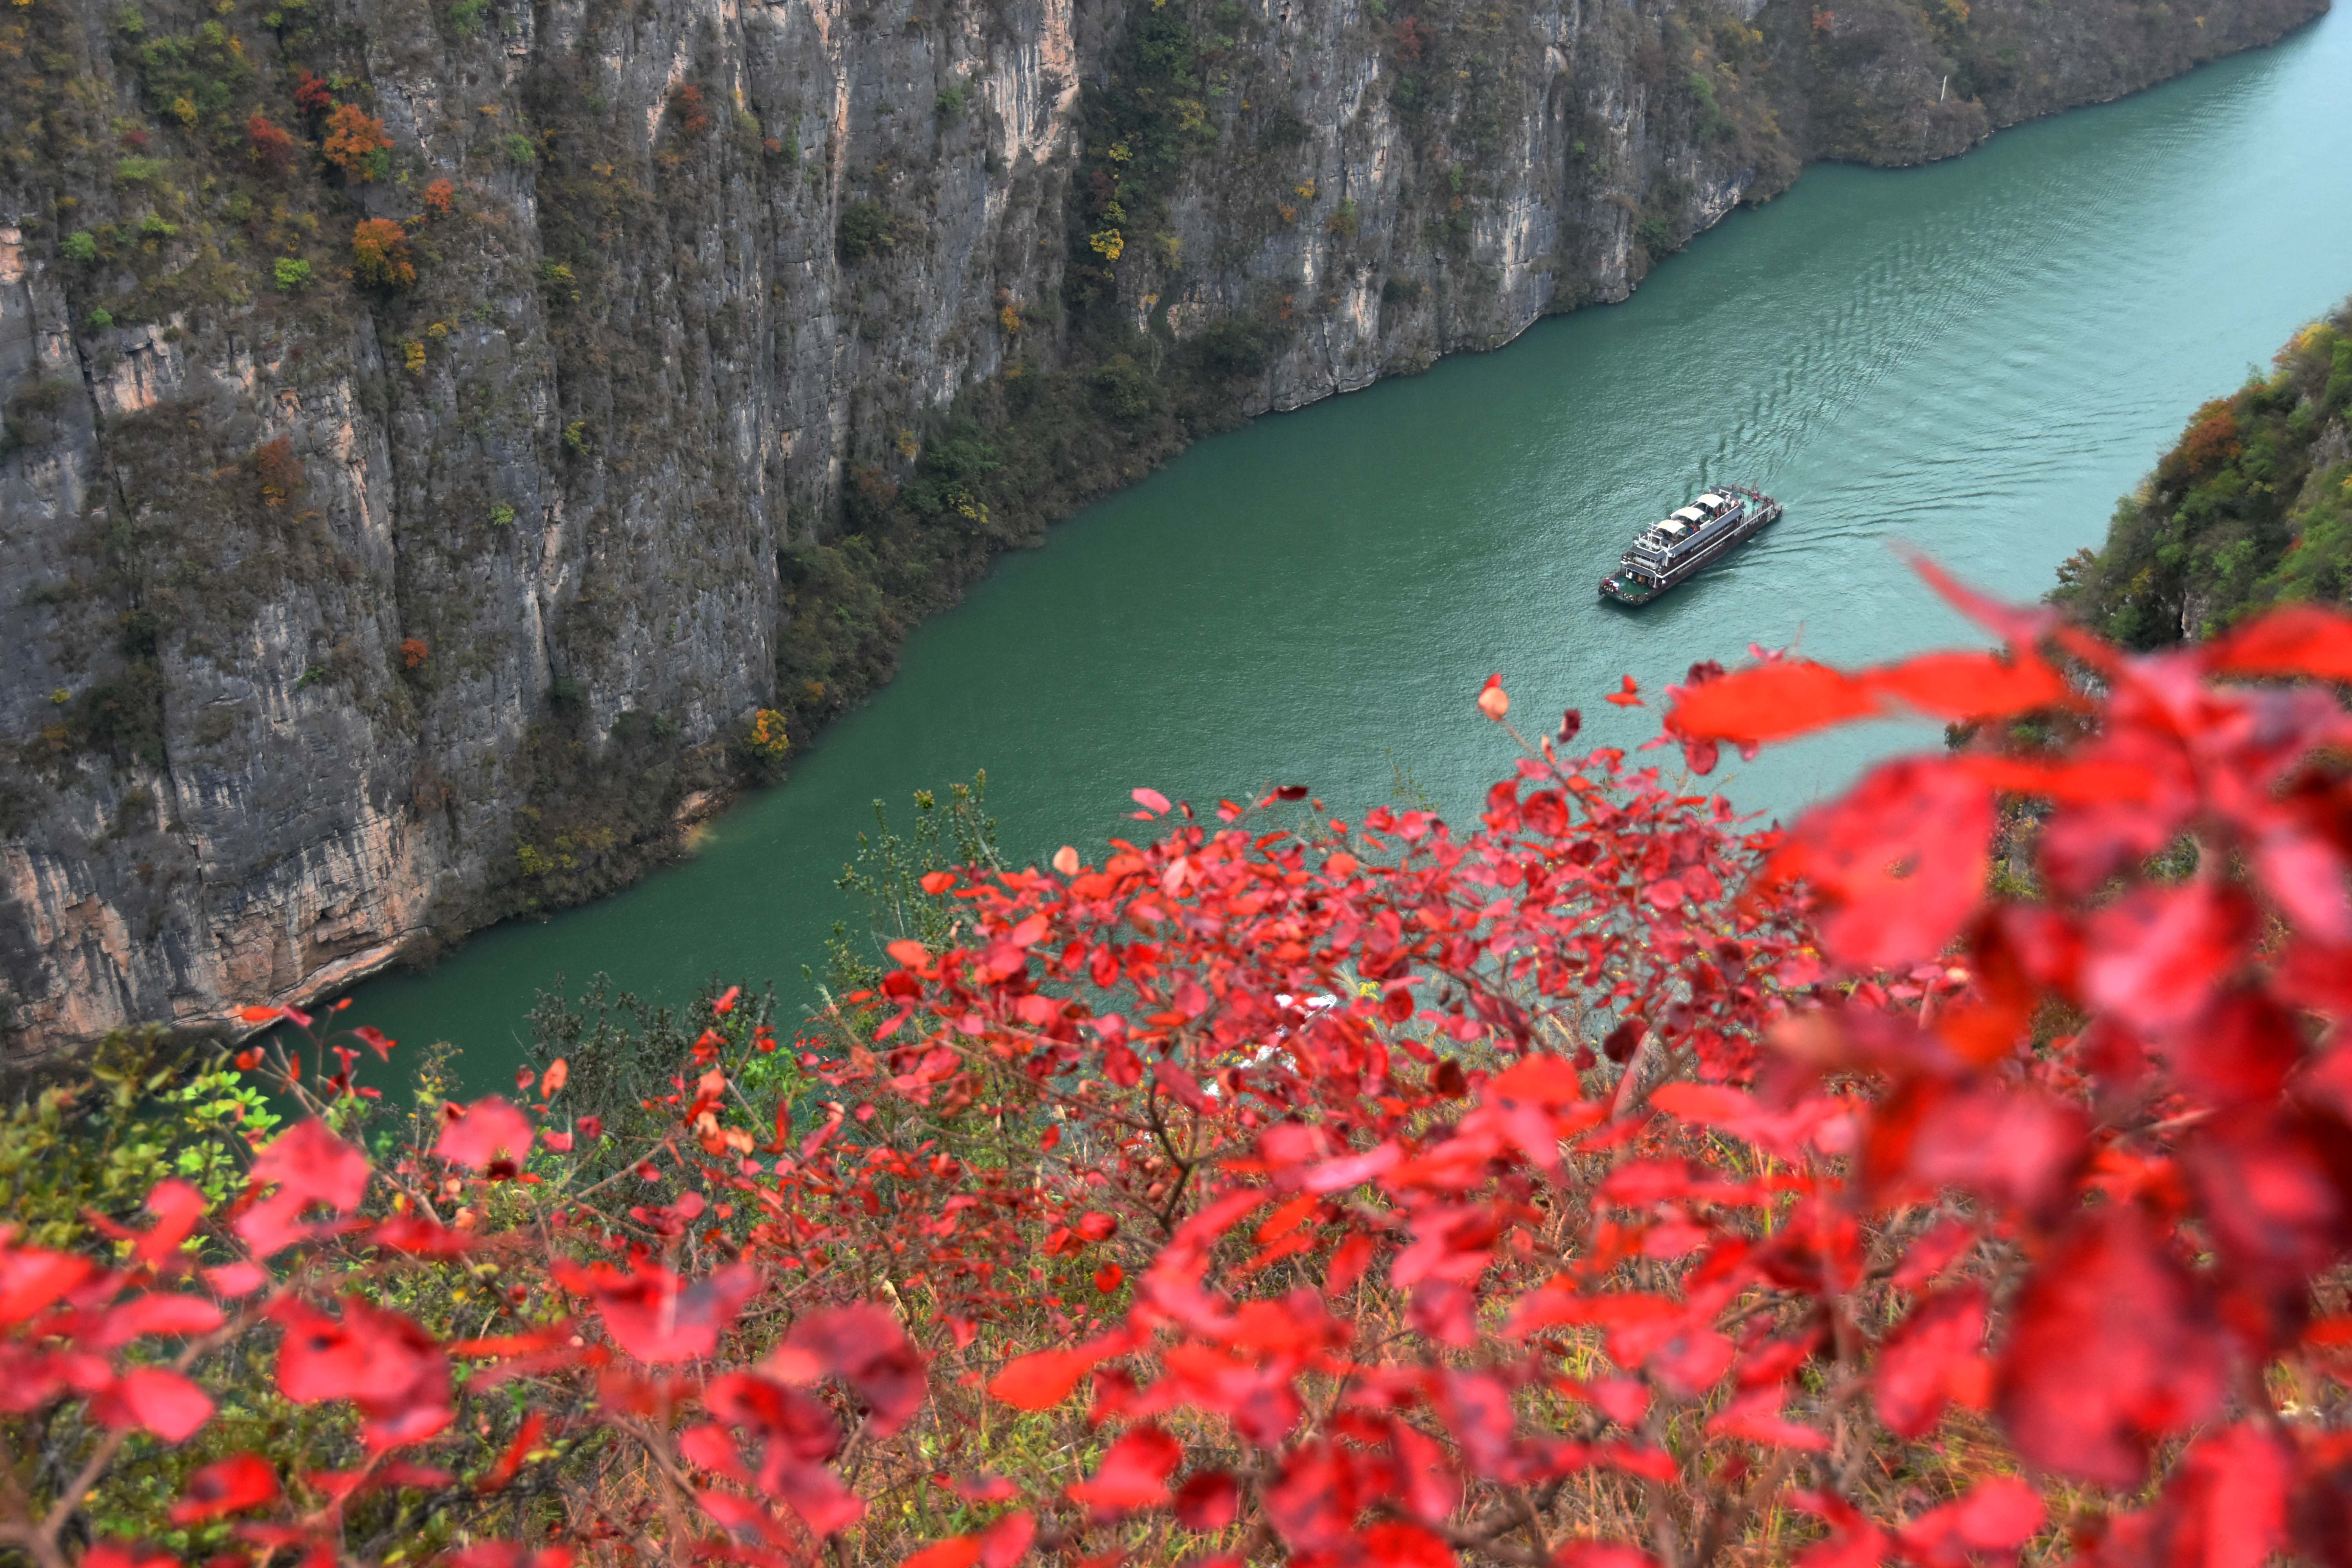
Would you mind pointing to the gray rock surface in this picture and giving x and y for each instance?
(339, 618)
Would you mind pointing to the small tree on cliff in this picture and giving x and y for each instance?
(356, 142)
(380, 255)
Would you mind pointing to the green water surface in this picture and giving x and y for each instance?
(1975, 358)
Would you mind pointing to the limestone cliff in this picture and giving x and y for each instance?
(448, 441)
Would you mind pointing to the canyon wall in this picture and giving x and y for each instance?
(450, 445)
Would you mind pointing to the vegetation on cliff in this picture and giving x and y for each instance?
(2251, 507)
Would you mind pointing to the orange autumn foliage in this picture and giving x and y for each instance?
(352, 136)
(379, 253)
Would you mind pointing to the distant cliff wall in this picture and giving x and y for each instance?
(438, 430)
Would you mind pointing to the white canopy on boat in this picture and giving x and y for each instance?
(1690, 514)
(1710, 500)
(1671, 527)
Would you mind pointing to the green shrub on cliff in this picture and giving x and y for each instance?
(2252, 506)
(863, 231)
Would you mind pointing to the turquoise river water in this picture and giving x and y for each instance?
(1974, 358)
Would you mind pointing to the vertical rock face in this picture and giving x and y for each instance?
(401, 526)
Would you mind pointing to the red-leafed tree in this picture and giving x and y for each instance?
(1614, 1182)
(269, 144)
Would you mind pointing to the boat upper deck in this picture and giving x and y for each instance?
(1691, 526)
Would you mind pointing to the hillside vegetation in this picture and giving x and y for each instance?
(2252, 506)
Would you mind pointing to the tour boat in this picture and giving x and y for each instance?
(1669, 554)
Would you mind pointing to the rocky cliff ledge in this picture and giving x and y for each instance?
(447, 440)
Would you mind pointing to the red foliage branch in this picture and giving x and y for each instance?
(1553, 1194)
(2124, 1241)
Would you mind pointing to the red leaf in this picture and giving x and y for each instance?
(2270, 1197)
(488, 1132)
(2018, 626)
(1042, 1379)
(153, 1399)
(2112, 1352)
(230, 1486)
(32, 1281)
(177, 1206)
(380, 1360)
(127, 1554)
(1313, 1501)
(1933, 1358)
(657, 1316)
(2154, 955)
(1768, 702)
(1493, 701)
(510, 1462)
(1133, 1473)
(1692, 1361)
(156, 1314)
(955, 1552)
(309, 1166)
(1932, 1252)
(1998, 1515)
(708, 1447)
(235, 1279)
(2227, 1501)
(816, 1494)
(1183, 1088)
(1398, 1543)
(2305, 874)
(2296, 639)
(1779, 1133)
(1007, 1541)
(2018, 1145)
(1544, 1080)
(1963, 685)
(1897, 865)
(865, 1346)
(1151, 800)
(1756, 1418)
(1207, 1501)
(420, 1237)
(1348, 1261)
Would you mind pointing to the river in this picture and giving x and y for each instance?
(1974, 358)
